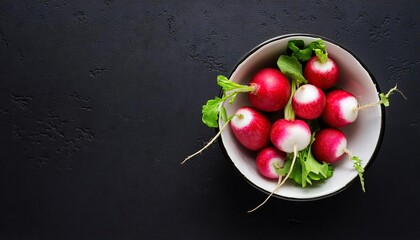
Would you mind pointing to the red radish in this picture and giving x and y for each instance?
(322, 75)
(268, 159)
(287, 135)
(340, 109)
(308, 101)
(329, 145)
(251, 128)
(272, 90)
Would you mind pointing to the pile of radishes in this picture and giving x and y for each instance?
(305, 139)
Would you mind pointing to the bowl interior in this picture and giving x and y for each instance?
(363, 135)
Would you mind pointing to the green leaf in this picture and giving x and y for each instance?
(210, 112)
(291, 67)
(321, 169)
(299, 51)
(384, 99)
(303, 53)
(320, 50)
(296, 173)
(357, 164)
(228, 85)
(213, 107)
(299, 44)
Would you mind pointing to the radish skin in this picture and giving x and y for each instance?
(272, 90)
(268, 159)
(340, 109)
(251, 128)
(308, 102)
(285, 134)
(322, 75)
(329, 145)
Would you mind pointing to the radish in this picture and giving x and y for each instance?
(308, 102)
(251, 128)
(268, 159)
(290, 135)
(321, 74)
(330, 145)
(341, 108)
(272, 90)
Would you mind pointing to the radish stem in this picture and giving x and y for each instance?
(280, 181)
(289, 113)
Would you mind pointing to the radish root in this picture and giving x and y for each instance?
(208, 144)
(280, 181)
(383, 99)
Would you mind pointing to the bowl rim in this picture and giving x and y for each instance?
(382, 127)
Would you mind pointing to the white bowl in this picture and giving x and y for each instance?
(364, 135)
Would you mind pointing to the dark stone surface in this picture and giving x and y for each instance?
(101, 100)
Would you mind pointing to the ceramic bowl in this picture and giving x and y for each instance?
(364, 135)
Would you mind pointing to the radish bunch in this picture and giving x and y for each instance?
(304, 142)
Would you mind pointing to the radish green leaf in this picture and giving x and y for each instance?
(211, 112)
(320, 50)
(291, 67)
(299, 51)
(303, 53)
(357, 164)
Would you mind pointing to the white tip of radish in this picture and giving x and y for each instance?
(341, 147)
(296, 136)
(244, 117)
(306, 94)
(323, 67)
(286, 134)
(348, 105)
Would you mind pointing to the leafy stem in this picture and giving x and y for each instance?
(291, 67)
(303, 53)
(357, 164)
(214, 107)
(289, 113)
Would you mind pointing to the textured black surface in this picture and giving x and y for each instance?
(101, 100)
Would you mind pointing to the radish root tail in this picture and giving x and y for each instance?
(385, 96)
(208, 144)
(280, 181)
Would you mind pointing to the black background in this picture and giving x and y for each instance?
(101, 100)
